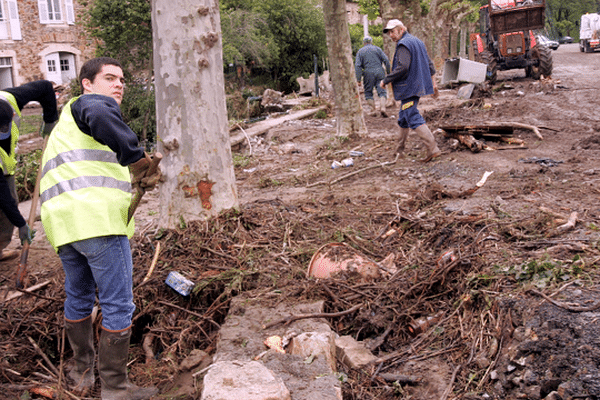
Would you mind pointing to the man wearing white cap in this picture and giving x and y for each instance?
(411, 78)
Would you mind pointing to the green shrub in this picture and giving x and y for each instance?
(26, 173)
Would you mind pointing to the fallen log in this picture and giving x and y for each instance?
(570, 223)
(468, 140)
(492, 128)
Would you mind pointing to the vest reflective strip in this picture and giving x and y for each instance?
(79, 155)
(84, 182)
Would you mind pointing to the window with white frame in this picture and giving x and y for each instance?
(51, 66)
(9, 20)
(64, 65)
(56, 11)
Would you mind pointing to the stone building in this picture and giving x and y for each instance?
(354, 17)
(41, 39)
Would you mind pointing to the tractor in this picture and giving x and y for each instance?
(506, 38)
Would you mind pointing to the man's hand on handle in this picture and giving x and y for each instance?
(26, 234)
(141, 174)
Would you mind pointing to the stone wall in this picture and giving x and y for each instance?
(39, 40)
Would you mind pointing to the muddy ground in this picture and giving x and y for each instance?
(516, 301)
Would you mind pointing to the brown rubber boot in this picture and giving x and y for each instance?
(81, 338)
(112, 366)
(6, 255)
(374, 112)
(433, 151)
(382, 109)
(402, 144)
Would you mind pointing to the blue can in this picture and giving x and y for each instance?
(354, 153)
(180, 283)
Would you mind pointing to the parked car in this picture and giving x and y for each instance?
(565, 39)
(551, 44)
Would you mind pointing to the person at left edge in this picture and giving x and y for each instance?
(12, 101)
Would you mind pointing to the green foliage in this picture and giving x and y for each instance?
(247, 38)
(370, 8)
(566, 16)
(321, 114)
(139, 112)
(125, 31)
(26, 173)
(298, 29)
(28, 164)
(357, 35)
(240, 160)
(544, 272)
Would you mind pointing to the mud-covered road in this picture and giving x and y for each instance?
(521, 320)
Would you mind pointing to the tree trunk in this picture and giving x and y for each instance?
(191, 112)
(431, 27)
(350, 120)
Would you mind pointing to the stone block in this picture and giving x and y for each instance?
(316, 344)
(352, 353)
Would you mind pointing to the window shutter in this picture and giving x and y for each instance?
(43, 10)
(15, 24)
(70, 12)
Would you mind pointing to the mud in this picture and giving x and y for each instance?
(499, 338)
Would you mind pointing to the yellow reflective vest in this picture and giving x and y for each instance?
(84, 191)
(8, 161)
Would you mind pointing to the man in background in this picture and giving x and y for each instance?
(412, 77)
(369, 66)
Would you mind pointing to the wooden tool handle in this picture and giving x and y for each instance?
(22, 269)
(139, 191)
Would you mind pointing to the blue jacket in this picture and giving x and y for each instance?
(417, 82)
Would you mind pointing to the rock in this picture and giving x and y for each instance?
(569, 389)
(352, 353)
(248, 380)
(553, 396)
(196, 358)
(308, 85)
(530, 378)
(315, 344)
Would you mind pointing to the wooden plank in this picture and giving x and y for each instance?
(264, 126)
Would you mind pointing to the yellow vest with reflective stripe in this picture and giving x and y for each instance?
(84, 191)
(8, 161)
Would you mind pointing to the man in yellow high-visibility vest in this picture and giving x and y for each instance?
(85, 193)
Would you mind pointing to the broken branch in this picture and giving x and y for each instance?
(292, 318)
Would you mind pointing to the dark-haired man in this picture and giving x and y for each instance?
(85, 192)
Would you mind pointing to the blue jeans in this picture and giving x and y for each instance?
(103, 262)
(409, 116)
(371, 80)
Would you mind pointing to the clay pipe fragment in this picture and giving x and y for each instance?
(139, 191)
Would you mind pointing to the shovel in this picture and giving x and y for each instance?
(139, 192)
(22, 268)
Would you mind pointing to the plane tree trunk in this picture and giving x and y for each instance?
(191, 113)
(349, 115)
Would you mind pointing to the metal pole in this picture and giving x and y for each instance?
(316, 63)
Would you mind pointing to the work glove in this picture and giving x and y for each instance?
(46, 128)
(139, 172)
(26, 234)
